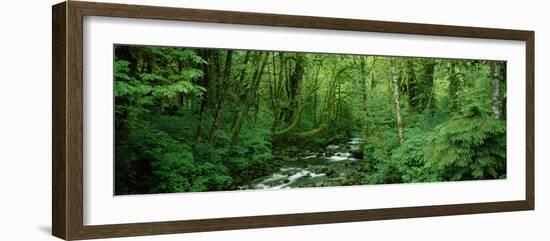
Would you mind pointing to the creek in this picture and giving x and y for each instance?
(331, 166)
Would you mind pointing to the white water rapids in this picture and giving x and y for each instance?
(289, 175)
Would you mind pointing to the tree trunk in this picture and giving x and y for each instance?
(294, 86)
(413, 88)
(338, 102)
(315, 95)
(220, 96)
(296, 122)
(454, 83)
(361, 87)
(495, 93)
(272, 98)
(313, 133)
(251, 97)
(373, 81)
(278, 89)
(396, 99)
(237, 89)
(205, 83)
(380, 140)
(428, 83)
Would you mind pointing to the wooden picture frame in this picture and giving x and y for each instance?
(67, 124)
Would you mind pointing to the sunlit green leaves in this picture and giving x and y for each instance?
(150, 86)
(181, 87)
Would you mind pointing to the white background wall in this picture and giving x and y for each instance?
(25, 120)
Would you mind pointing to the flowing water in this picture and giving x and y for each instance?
(326, 167)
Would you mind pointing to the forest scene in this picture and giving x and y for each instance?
(196, 119)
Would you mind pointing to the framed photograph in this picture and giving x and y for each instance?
(171, 120)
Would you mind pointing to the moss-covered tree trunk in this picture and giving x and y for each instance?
(294, 87)
(220, 93)
(251, 97)
(238, 86)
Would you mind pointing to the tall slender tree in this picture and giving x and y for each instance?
(495, 89)
(397, 103)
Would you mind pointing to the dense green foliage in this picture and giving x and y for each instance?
(190, 120)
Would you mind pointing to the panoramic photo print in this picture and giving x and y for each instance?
(198, 119)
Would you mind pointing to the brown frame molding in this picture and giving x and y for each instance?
(67, 121)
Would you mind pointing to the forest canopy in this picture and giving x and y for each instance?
(193, 120)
